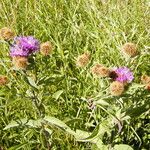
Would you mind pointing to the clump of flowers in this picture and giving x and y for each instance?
(83, 59)
(100, 70)
(6, 33)
(122, 74)
(129, 49)
(22, 47)
(3, 80)
(145, 79)
(46, 48)
(116, 88)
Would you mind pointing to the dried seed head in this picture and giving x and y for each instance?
(46, 48)
(100, 70)
(116, 88)
(3, 80)
(83, 59)
(145, 79)
(6, 33)
(130, 49)
(20, 62)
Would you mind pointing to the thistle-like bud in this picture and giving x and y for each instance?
(129, 49)
(83, 59)
(100, 70)
(20, 62)
(46, 48)
(6, 33)
(145, 79)
(147, 87)
(116, 88)
(3, 80)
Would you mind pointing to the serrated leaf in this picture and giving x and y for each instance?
(57, 94)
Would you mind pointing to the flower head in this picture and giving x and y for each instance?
(24, 46)
(116, 88)
(129, 49)
(46, 48)
(145, 79)
(6, 33)
(83, 59)
(20, 62)
(100, 70)
(3, 80)
(124, 75)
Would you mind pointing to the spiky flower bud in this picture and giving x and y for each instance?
(46, 48)
(129, 49)
(100, 70)
(6, 33)
(20, 62)
(83, 59)
(145, 79)
(116, 88)
(3, 80)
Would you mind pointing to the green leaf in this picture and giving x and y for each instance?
(122, 147)
(11, 125)
(31, 82)
(101, 102)
(58, 123)
(31, 123)
(57, 94)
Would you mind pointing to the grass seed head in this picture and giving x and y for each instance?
(116, 88)
(6, 33)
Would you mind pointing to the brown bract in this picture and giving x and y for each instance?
(83, 59)
(116, 88)
(20, 62)
(100, 70)
(130, 49)
(6, 33)
(3, 80)
(46, 48)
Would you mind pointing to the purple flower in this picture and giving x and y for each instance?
(124, 75)
(24, 46)
(15, 50)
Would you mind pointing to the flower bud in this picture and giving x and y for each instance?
(3, 80)
(145, 79)
(116, 88)
(130, 49)
(46, 48)
(20, 62)
(147, 87)
(100, 70)
(6, 33)
(83, 59)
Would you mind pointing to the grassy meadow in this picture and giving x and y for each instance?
(55, 104)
